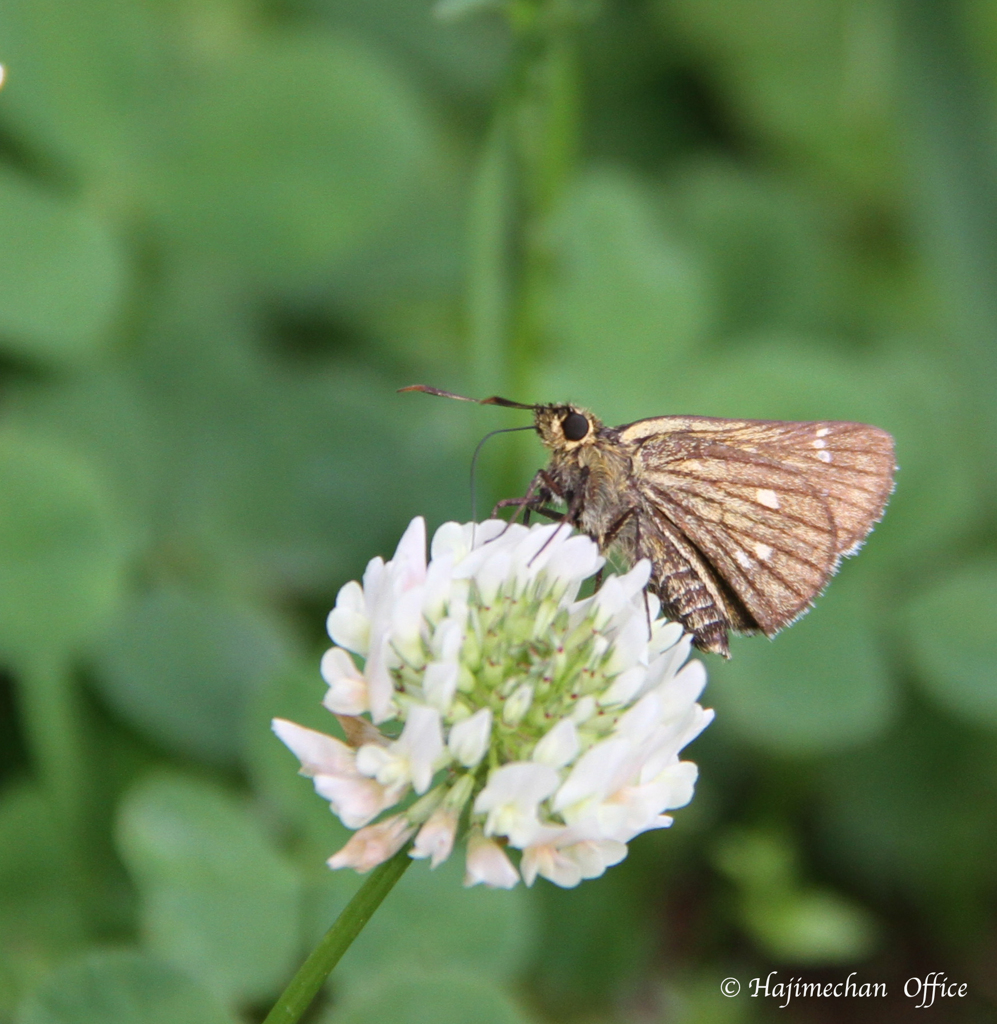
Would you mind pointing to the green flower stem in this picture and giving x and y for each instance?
(303, 987)
(544, 139)
(51, 714)
(527, 162)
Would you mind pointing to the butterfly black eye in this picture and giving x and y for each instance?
(575, 426)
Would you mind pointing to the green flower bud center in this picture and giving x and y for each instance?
(522, 658)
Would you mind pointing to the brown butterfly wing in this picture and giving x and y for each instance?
(691, 590)
(851, 464)
(768, 511)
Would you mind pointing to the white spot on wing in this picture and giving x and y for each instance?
(767, 498)
(823, 431)
(763, 551)
(820, 443)
(744, 560)
(824, 456)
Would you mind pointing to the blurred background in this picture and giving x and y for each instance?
(232, 228)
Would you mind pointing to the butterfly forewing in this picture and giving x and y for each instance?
(771, 505)
(850, 464)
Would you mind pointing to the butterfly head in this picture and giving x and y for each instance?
(562, 428)
(565, 428)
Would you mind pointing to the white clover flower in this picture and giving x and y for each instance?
(502, 707)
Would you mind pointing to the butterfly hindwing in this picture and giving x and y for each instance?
(760, 524)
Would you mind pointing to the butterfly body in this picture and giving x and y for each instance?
(743, 521)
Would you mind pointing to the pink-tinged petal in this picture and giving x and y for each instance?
(347, 693)
(347, 697)
(319, 754)
(566, 859)
(436, 837)
(488, 864)
(373, 845)
(550, 863)
(593, 856)
(593, 774)
(358, 800)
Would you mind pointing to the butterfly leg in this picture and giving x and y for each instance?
(542, 488)
(612, 533)
(525, 504)
(575, 503)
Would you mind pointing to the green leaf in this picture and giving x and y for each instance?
(912, 818)
(431, 921)
(181, 665)
(217, 900)
(80, 78)
(438, 999)
(595, 940)
(820, 685)
(624, 295)
(949, 636)
(291, 479)
(763, 240)
(792, 76)
(285, 154)
(61, 556)
(60, 293)
(465, 58)
(791, 921)
(812, 927)
(123, 987)
(100, 413)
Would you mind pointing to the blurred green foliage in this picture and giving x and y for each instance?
(233, 228)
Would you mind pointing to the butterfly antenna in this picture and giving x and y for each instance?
(494, 400)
